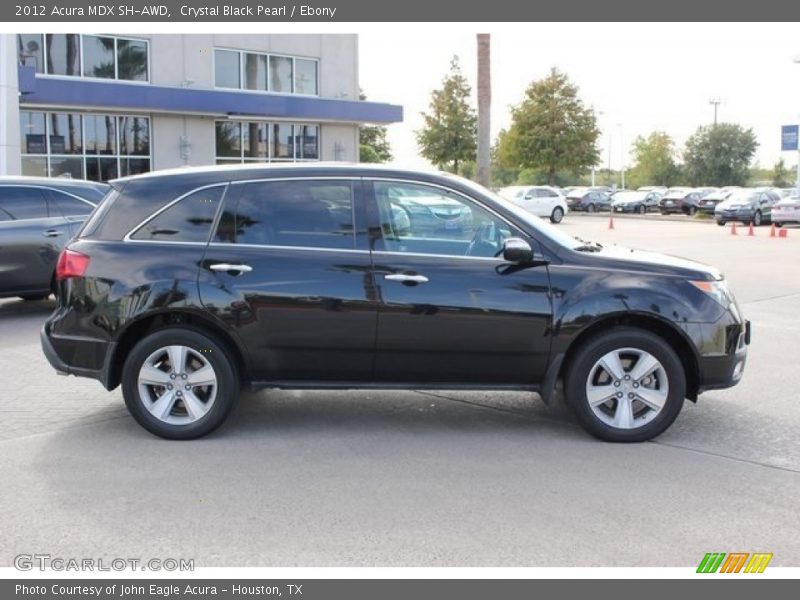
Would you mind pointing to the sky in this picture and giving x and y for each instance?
(641, 76)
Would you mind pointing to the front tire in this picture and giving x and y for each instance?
(625, 385)
(179, 383)
(591, 208)
(557, 215)
(691, 212)
(757, 219)
(641, 209)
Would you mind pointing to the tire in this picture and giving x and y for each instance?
(591, 208)
(665, 386)
(641, 209)
(35, 297)
(757, 219)
(721, 223)
(778, 224)
(213, 402)
(557, 215)
(691, 211)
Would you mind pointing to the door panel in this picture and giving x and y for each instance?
(299, 292)
(455, 315)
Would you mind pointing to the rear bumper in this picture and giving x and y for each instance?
(726, 370)
(83, 357)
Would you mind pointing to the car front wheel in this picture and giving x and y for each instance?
(179, 383)
(641, 209)
(625, 385)
(757, 219)
(557, 215)
(591, 208)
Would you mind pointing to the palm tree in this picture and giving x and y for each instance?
(484, 107)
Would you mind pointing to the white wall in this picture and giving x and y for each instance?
(10, 162)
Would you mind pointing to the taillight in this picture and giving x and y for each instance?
(71, 264)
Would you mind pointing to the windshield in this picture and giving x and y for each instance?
(539, 225)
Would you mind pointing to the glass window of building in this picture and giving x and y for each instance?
(132, 59)
(98, 57)
(63, 54)
(255, 72)
(226, 69)
(305, 76)
(258, 141)
(280, 74)
(30, 49)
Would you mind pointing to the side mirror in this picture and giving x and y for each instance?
(517, 250)
(529, 196)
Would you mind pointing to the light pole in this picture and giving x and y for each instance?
(715, 102)
(621, 156)
(797, 181)
(594, 167)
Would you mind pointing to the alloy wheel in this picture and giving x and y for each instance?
(627, 388)
(177, 385)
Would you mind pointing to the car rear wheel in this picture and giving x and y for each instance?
(757, 219)
(692, 210)
(591, 208)
(179, 383)
(641, 209)
(557, 215)
(625, 385)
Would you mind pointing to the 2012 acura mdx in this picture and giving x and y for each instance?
(185, 285)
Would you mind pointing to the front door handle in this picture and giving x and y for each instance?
(230, 267)
(402, 278)
(52, 233)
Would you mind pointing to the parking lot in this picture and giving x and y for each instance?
(420, 478)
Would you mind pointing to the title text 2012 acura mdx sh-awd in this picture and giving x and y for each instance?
(185, 285)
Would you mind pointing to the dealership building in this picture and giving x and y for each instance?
(105, 106)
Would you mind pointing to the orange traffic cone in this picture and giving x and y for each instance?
(611, 222)
(750, 231)
(784, 233)
(772, 230)
(733, 228)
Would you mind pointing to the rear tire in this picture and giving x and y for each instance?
(557, 215)
(591, 208)
(692, 210)
(179, 383)
(623, 415)
(641, 209)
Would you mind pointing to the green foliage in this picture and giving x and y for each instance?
(450, 131)
(551, 130)
(374, 147)
(719, 155)
(654, 161)
(781, 175)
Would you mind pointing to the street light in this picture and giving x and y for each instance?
(796, 61)
(621, 156)
(594, 167)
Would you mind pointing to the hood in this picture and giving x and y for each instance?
(654, 262)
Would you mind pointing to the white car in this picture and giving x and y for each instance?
(787, 210)
(542, 201)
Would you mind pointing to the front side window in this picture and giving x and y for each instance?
(418, 218)
(188, 220)
(301, 213)
(23, 202)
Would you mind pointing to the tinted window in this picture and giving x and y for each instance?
(67, 205)
(23, 202)
(317, 214)
(188, 220)
(423, 219)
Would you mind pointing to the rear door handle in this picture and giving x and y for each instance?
(230, 267)
(402, 278)
(52, 233)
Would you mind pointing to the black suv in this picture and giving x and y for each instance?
(37, 217)
(185, 285)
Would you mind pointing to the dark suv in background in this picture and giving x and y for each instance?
(185, 285)
(37, 217)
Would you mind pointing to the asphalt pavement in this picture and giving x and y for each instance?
(419, 478)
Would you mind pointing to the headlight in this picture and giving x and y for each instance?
(717, 290)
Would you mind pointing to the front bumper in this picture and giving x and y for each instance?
(80, 356)
(720, 371)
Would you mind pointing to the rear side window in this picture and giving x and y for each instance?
(23, 202)
(188, 220)
(67, 205)
(307, 213)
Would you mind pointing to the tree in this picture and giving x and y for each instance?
(654, 161)
(551, 129)
(484, 108)
(374, 147)
(719, 155)
(780, 174)
(449, 134)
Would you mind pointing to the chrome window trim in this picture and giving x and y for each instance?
(167, 206)
(440, 256)
(297, 177)
(274, 247)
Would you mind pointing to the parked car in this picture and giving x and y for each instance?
(588, 200)
(37, 217)
(186, 285)
(708, 204)
(512, 192)
(635, 202)
(747, 206)
(543, 201)
(682, 200)
(787, 210)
